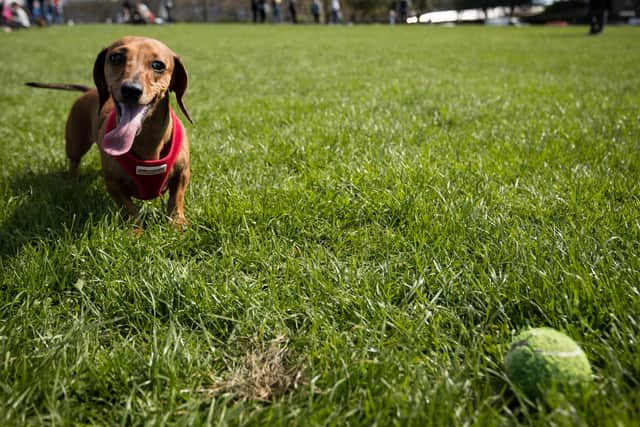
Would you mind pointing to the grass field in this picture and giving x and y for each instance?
(375, 212)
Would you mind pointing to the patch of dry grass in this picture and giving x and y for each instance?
(264, 374)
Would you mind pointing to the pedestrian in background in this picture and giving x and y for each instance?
(293, 12)
(263, 8)
(315, 11)
(275, 5)
(403, 7)
(336, 15)
(598, 10)
(254, 10)
(168, 6)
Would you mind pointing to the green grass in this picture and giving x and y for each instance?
(375, 212)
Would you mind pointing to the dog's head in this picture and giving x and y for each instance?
(138, 72)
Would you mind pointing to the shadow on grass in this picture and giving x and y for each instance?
(47, 206)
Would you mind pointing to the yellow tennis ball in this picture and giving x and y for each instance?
(541, 358)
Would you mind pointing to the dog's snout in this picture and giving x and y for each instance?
(131, 92)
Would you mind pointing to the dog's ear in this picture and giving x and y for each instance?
(179, 82)
(98, 78)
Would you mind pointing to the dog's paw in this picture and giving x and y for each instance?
(180, 223)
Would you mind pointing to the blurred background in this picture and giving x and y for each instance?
(451, 12)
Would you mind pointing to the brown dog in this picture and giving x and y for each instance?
(143, 146)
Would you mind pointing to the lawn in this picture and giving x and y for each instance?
(375, 212)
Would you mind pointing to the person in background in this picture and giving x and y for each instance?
(336, 15)
(58, 11)
(47, 11)
(19, 18)
(254, 10)
(293, 12)
(263, 10)
(275, 5)
(36, 13)
(6, 15)
(315, 11)
(403, 8)
(597, 16)
(146, 16)
(125, 15)
(168, 6)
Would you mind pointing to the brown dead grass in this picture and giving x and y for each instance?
(264, 374)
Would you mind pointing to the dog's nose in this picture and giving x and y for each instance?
(131, 92)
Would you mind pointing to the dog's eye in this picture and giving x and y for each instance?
(158, 66)
(117, 58)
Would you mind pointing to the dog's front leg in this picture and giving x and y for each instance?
(122, 199)
(177, 187)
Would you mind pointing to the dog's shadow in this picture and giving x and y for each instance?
(46, 207)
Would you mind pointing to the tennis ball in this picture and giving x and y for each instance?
(542, 358)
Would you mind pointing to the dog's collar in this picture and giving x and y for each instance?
(150, 176)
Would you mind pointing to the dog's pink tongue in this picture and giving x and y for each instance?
(119, 140)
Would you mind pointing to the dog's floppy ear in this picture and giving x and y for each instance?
(98, 78)
(179, 82)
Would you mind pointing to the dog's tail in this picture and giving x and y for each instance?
(60, 86)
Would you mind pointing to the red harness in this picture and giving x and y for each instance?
(150, 176)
